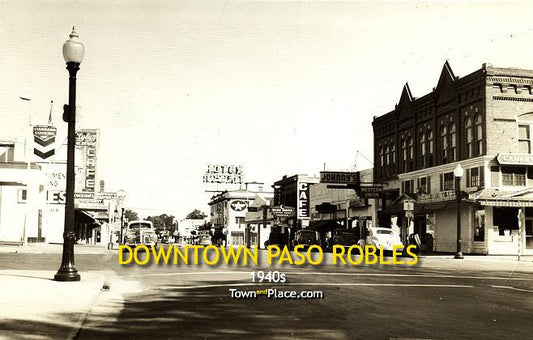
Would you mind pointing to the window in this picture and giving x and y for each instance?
(444, 143)
(393, 153)
(453, 142)
(430, 148)
(524, 139)
(22, 196)
(7, 152)
(422, 159)
(468, 137)
(239, 220)
(424, 186)
(513, 176)
(404, 154)
(474, 177)
(479, 134)
(408, 186)
(447, 181)
(381, 156)
(479, 226)
(387, 155)
(411, 152)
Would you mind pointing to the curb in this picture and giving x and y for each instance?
(81, 320)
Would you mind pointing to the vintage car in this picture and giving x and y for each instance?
(383, 237)
(342, 237)
(140, 232)
(306, 238)
(275, 239)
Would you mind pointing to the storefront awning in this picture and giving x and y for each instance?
(497, 198)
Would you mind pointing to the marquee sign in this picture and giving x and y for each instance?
(86, 150)
(281, 211)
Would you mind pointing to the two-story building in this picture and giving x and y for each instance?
(483, 122)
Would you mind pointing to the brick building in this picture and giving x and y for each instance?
(483, 122)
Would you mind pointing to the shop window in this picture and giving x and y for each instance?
(505, 219)
(524, 139)
(513, 176)
(447, 181)
(479, 227)
(7, 153)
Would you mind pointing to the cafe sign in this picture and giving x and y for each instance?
(515, 159)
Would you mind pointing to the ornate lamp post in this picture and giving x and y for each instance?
(73, 51)
(458, 173)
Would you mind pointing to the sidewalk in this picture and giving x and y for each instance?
(32, 305)
(47, 248)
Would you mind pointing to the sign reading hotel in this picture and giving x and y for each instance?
(339, 177)
(221, 177)
(515, 159)
(86, 146)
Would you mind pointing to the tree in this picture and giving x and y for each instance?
(162, 222)
(130, 215)
(196, 215)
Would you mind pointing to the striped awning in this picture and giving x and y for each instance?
(507, 203)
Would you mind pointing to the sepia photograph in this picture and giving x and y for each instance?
(266, 169)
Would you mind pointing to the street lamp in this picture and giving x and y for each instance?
(458, 173)
(73, 51)
(121, 194)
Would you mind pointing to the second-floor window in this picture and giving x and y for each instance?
(524, 139)
(424, 186)
(408, 186)
(475, 177)
(447, 181)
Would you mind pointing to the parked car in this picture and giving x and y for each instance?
(383, 237)
(343, 237)
(275, 239)
(306, 237)
(140, 232)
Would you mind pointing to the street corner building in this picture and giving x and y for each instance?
(482, 121)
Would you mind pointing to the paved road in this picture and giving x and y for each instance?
(441, 299)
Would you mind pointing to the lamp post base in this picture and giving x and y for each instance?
(67, 276)
(459, 256)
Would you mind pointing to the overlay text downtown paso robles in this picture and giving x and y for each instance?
(215, 255)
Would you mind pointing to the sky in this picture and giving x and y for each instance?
(281, 88)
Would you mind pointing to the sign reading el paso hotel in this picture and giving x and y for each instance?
(515, 158)
(227, 174)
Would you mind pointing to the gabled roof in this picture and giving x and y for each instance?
(444, 89)
(404, 108)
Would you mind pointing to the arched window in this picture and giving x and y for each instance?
(393, 153)
(444, 143)
(423, 150)
(381, 157)
(387, 155)
(430, 147)
(478, 126)
(468, 138)
(411, 151)
(453, 143)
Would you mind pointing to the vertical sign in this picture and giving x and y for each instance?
(303, 200)
(86, 147)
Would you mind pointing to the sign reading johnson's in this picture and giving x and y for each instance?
(515, 158)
